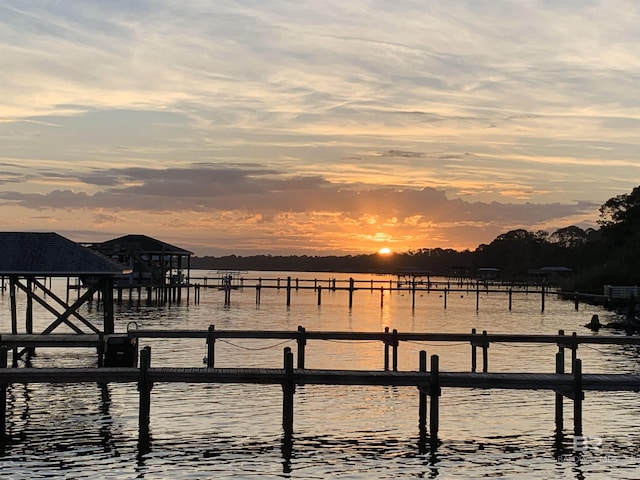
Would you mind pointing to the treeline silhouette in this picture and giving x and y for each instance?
(591, 257)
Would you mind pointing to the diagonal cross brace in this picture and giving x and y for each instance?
(69, 309)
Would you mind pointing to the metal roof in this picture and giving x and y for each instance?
(50, 254)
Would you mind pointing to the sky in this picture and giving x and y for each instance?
(315, 127)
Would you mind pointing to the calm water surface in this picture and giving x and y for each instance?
(235, 431)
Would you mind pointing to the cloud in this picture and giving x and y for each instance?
(495, 112)
(270, 192)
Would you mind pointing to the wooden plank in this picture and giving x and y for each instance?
(50, 340)
(512, 381)
(381, 336)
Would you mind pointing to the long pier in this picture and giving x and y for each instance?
(429, 381)
(172, 293)
(411, 284)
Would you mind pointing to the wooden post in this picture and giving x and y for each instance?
(14, 315)
(413, 294)
(351, 288)
(445, 297)
(226, 280)
(578, 397)
(288, 389)
(381, 297)
(477, 296)
(510, 297)
(559, 396)
(3, 394)
(576, 300)
(394, 350)
(319, 295)
(144, 387)
(434, 394)
(288, 291)
(542, 295)
(211, 346)
(258, 288)
(474, 351)
(29, 314)
(386, 348)
(100, 349)
(302, 341)
(574, 347)
(107, 305)
(422, 402)
(485, 352)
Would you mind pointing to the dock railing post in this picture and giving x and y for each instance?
(319, 295)
(288, 291)
(288, 389)
(394, 350)
(302, 341)
(485, 352)
(386, 348)
(211, 346)
(474, 351)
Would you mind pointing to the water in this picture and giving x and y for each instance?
(235, 431)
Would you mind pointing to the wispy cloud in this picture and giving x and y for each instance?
(503, 113)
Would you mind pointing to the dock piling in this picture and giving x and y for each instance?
(578, 397)
(434, 400)
(211, 347)
(302, 341)
(288, 389)
(474, 351)
(559, 413)
(3, 395)
(144, 387)
(351, 289)
(422, 401)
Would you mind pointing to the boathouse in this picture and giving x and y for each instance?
(29, 259)
(152, 263)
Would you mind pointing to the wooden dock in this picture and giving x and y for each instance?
(391, 340)
(429, 383)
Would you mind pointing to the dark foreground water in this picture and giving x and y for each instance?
(235, 431)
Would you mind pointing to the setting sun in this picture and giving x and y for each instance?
(384, 251)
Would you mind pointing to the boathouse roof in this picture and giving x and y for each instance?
(50, 254)
(143, 243)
